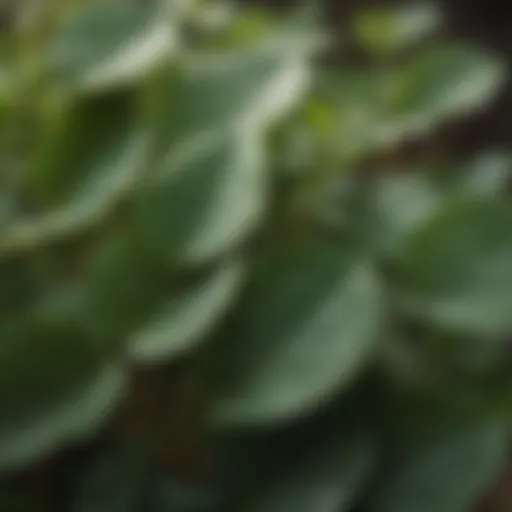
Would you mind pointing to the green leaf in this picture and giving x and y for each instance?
(240, 90)
(56, 385)
(87, 143)
(123, 287)
(299, 149)
(87, 162)
(190, 313)
(379, 108)
(7, 211)
(325, 480)
(20, 283)
(306, 328)
(79, 413)
(385, 30)
(130, 39)
(457, 269)
(358, 98)
(487, 175)
(445, 82)
(449, 473)
(205, 200)
(401, 203)
(215, 18)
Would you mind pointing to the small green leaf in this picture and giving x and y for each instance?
(78, 414)
(379, 108)
(305, 329)
(386, 30)
(124, 285)
(189, 314)
(358, 98)
(446, 474)
(111, 42)
(204, 200)
(487, 175)
(402, 203)
(241, 90)
(20, 283)
(7, 211)
(56, 386)
(457, 269)
(445, 82)
(32, 354)
(88, 143)
(88, 161)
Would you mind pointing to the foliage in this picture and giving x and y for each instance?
(210, 199)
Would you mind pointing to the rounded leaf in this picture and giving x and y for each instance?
(401, 204)
(381, 108)
(386, 30)
(457, 269)
(78, 413)
(123, 287)
(205, 199)
(445, 82)
(189, 314)
(240, 90)
(448, 474)
(306, 327)
(486, 175)
(111, 42)
(87, 162)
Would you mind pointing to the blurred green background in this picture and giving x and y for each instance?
(255, 256)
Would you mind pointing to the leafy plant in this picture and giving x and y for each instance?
(207, 247)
